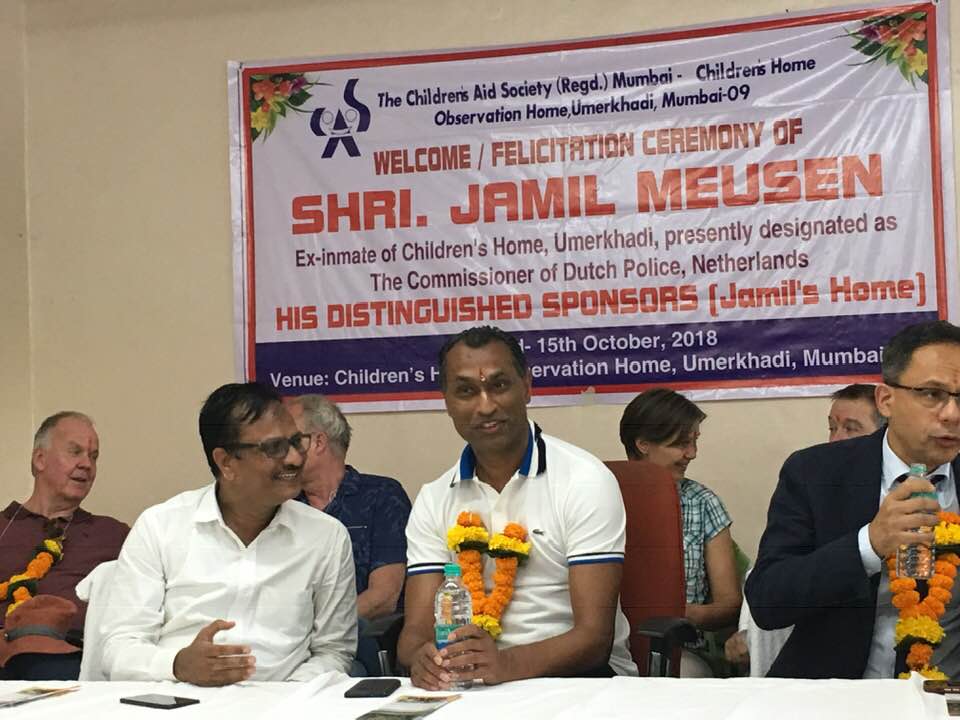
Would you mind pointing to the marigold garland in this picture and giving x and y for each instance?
(23, 586)
(918, 628)
(469, 539)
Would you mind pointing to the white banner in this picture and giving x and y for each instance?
(732, 209)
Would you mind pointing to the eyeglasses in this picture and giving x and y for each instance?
(277, 447)
(929, 397)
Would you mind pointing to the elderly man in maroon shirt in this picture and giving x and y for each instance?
(64, 466)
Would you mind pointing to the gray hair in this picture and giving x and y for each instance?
(41, 438)
(322, 415)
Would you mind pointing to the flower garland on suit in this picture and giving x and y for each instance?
(918, 630)
(469, 539)
(23, 586)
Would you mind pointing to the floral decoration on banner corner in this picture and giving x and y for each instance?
(899, 40)
(509, 549)
(921, 603)
(271, 96)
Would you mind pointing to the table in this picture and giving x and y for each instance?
(561, 698)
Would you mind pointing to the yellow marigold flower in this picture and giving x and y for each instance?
(54, 547)
(946, 534)
(488, 623)
(458, 535)
(18, 578)
(503, 543)
(923, 627)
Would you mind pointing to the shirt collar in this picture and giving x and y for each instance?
(15, 508)
(894, 467)
(534, 457)
(208, 510)
(350, 484)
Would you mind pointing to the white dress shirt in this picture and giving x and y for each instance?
(882, 656)
(291, 592)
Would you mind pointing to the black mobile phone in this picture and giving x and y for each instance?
(164, 702)
(373, 687)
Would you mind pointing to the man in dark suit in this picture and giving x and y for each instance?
(840, 510)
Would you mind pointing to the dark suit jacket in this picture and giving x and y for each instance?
(808, 571)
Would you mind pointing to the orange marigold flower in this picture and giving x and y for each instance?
(469, 519)
(948, 517)
(4, 586)
(925, 610)
(21, 594)
(951, 558)
(515, 531)
(892, 562)
(906, 599)
(919, 655)
(914, 611)
(940, 581)
(942, 567)
(902, 584)
(940, 594)
(935, 605)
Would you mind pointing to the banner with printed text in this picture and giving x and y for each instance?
(742, 210)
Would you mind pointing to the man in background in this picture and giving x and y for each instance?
(373, 508)
(854, 412)
(64, 466)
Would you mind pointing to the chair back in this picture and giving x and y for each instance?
(94, 589)
(653, 582)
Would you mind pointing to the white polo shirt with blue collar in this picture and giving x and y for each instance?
(571, 506)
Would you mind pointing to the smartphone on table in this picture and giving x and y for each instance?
(163, 702)
(373, 688)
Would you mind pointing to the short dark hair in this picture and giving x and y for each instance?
(657, 415)
(857, 391)
(898, 353)
(226, 409)
(477, 337)
(863, 392)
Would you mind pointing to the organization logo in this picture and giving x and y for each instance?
(339, 125)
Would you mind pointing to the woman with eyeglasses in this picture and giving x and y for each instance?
(662, 426)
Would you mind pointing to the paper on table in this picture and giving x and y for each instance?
(27, 695)
(410, 707)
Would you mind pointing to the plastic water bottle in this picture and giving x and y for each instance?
(452, 608)
(915, 560)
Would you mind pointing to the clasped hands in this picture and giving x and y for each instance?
(470, 655)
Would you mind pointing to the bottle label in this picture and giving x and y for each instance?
(441, 633)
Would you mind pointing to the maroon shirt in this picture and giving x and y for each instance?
(91, 540)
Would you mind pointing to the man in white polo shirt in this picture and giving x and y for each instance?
(564, 617)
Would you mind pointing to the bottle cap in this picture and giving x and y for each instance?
(918, 469)
(451, 569)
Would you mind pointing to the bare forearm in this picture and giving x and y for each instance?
(715, 615)
(372, 604)
(573, 653)
(411, 640)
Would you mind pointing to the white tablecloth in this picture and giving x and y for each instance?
(565, 699)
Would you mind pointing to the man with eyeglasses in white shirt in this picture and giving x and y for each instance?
(841, 509)
(235, 581)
